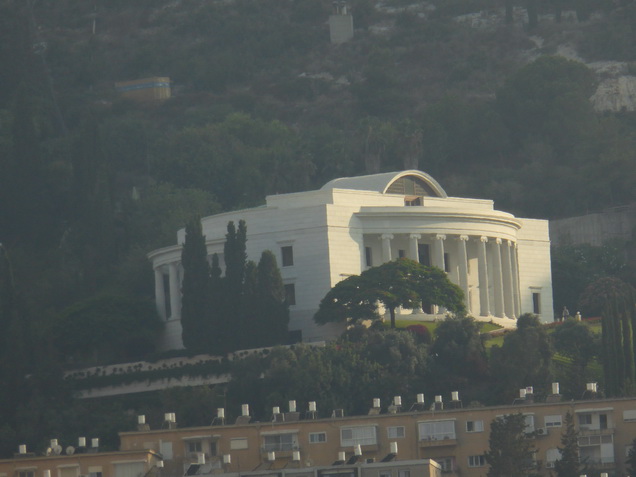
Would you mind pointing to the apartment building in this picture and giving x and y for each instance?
(390, 441)
(456, 437)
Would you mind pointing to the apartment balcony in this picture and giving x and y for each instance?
(438, 441)
(586, 431)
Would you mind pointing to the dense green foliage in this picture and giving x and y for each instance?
(401, 282)
(245, 308)
(525, 357)
(617, 303)
(511, 451)
(574, 267)
(106, 328)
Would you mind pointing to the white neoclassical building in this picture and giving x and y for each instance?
(320, 237)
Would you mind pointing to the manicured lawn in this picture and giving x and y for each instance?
(432, 325)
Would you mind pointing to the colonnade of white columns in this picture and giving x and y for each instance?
(497, 275)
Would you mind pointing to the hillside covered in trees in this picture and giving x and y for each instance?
(474, 92)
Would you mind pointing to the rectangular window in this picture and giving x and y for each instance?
(447, 463)
(384, 473)
(447, 267)
(280, 442)
(585, 419)
(529, 420)
(404, 473)
(290, 293)
(238, 444)
(401, 254)
(553, 421)
(194, 446)
(68, 471)
(95, 471)
(317, 437)
(551, 456)
(368, 256)
(395, 432)
(26, 473)
(363, 435)
(629, 416)
(536, 303)
(287, 255)
(436, 430)
(474, 426)
(129, 469)
(476, 461)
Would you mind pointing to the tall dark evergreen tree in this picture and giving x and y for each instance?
(273, 314)
(511, 451)
(569, 464)
(250, 311)
(630, 462)
(195, 290)
(218, 332)
(617, 302)
(235, 263)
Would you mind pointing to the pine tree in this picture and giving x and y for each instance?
(568, 465)
(511, 452)
(195, 289)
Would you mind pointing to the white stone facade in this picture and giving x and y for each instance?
(501, 262)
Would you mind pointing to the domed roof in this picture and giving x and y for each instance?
(410, 182)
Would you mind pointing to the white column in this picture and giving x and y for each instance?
(160, 294)
(175, 292)
(463, 269)
(497, 279)
(414, 253)
(484, 304)
(386, 247)
(438, 255)
(509, 306)
(515, 280)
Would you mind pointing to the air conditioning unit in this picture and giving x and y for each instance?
(541, 431)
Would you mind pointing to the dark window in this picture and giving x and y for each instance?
(368, 254)
(401, 253)
(290, 293)
(446, 263)
(536, 303)
(287, 255)
(425, 254)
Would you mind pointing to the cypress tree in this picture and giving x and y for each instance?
(217, 328)
(273, 310)
(250, 310)
(617, 302)
(195, 290)
(235, 262)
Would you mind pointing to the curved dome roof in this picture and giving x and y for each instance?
(410, 182)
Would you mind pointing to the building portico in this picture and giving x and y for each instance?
(501, 262)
